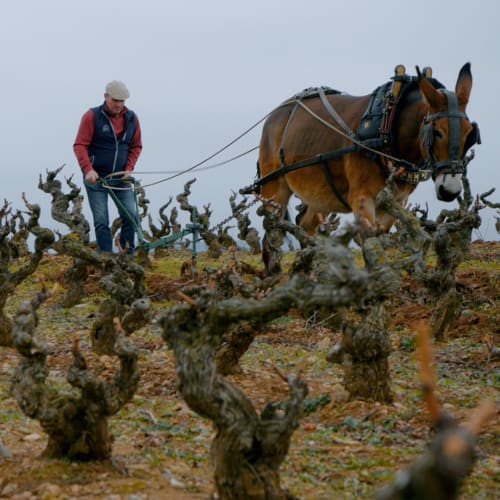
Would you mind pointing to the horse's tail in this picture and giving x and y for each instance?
(258, 177)
(301, 210)
(255, 187)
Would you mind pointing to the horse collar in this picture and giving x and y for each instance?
(377, 123)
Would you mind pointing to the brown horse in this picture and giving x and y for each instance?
(312, 146)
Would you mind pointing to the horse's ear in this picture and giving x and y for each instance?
(464, 84)
(432, 97)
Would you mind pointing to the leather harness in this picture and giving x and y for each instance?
(375, 135)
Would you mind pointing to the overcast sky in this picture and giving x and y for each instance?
(201, 72)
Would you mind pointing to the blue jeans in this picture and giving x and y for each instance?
(98, 200)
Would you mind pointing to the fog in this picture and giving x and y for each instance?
(201, 73)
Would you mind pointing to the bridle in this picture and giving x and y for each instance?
(453, 164)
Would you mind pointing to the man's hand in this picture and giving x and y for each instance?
(91, 176)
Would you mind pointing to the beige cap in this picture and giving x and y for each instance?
(117, 90)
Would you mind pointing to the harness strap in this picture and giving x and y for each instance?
(285, 169)
(334, 114)
(285, 130)
(386, 128)
(454, 116)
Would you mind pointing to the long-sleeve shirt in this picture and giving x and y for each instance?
(86, 133)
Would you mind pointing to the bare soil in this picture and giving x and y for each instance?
(342, 449)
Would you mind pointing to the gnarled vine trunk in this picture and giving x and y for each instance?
(14, 271)
(248, 449)
(77, 425)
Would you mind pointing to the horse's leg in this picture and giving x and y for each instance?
(398, 200)
(384, 222)
(363, 207)
(365, 181)
(309, 220)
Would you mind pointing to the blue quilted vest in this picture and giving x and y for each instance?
(108, 152)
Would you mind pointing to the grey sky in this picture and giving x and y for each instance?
(200, 73)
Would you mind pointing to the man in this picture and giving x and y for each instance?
(109, 142)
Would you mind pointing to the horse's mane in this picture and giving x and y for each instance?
(370, 123)
(410, 92)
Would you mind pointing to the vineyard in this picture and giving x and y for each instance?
(153, 377)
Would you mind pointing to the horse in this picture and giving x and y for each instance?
(335, 151)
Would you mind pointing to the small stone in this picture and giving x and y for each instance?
(173, 481)
(48, 491)
(401, 407)
(8, 490)
(176, 483)
(4, 452)
(32, 437)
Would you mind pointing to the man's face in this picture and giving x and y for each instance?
(114, 106)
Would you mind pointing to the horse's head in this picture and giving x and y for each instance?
(447, 133)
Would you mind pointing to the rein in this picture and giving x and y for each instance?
(177, 173)
(407, 171)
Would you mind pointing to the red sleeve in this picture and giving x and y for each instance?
(134, 148)
(83, 141)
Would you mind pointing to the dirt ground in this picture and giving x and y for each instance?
(342, 449)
